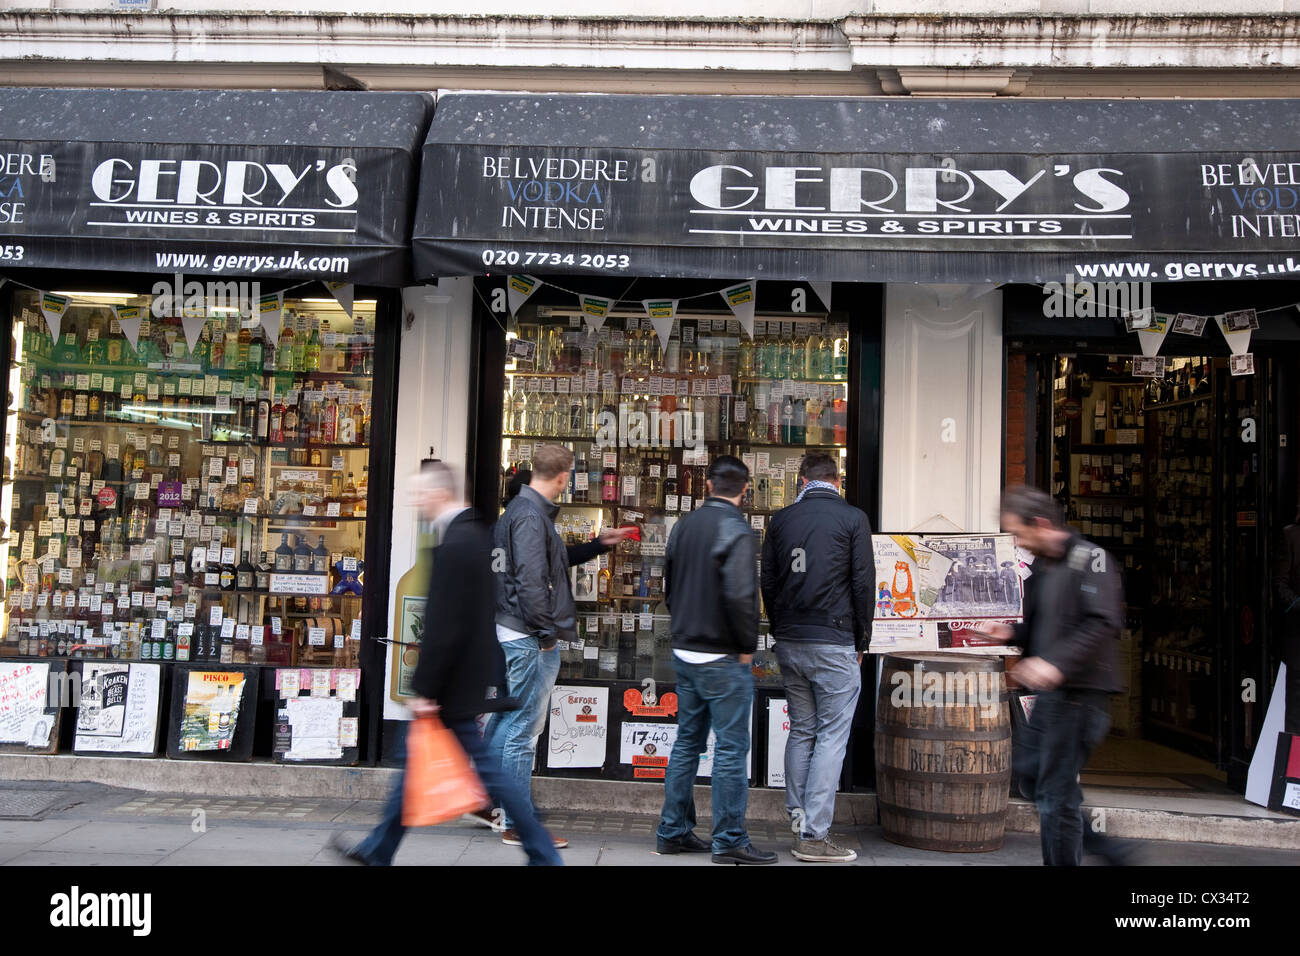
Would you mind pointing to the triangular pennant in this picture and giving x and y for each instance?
(741, 299)
(129, 318)
(661, 312)
(268, 315)
(595, 310)
(518, 289)
(193, 325)
(1156, 328)
(823, 290)
(1231, 325)
(344, 293)
(54, 306)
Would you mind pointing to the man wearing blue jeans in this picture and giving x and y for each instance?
(534, 610)
(817, 578)
(712, 595)
(461, 671)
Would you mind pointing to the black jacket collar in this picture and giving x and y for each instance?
(549, 508)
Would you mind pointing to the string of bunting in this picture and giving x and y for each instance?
(130, 318)
(740, 297)
(1152, 327)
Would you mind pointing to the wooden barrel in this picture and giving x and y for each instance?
(943, 751)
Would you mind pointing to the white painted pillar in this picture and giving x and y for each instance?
(941, 443)
(432, 410)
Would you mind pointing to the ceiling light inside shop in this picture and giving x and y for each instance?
(99, 296)
(335, 302)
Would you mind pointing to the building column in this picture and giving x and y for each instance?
(941, 444)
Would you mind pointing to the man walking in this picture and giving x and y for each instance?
(534, 610)
(711, 590)
(461, 670)
(817, 574)
(1073, 613)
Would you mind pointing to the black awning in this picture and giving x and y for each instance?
(871, 189)
(238, 183)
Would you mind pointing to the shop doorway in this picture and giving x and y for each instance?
(1174, 477)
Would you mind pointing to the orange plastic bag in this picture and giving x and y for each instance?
(440, 783)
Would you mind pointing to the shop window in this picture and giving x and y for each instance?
(195, 494)
(643, 421)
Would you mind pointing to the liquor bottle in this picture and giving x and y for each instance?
(245, 573)
(253, 363)
(840, 356)
(312, 350)
(291, 423)
(300, 346)
(262, 424)
(284, 348)
(787, 421)
(320, 557)
(301, 556)
(349, 497)
(609, 484)
(284, 556)
(329, 424)
(262, 573)
(276, 424)
(1116, 412)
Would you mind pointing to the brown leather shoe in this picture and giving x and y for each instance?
(511, 838)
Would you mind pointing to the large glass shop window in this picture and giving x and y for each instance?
(169, 503)
(643, 422)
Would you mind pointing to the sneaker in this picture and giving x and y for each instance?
(821, 851)
(345, 851)
(481, 818)
(511, 838)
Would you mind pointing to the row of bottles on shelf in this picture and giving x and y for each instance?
(1187, 423)
(1125, 411)
(1108, 525)
(1189, 378)
(229, 343)
(775, 413)
(240, 412)
(1116, 474)
(779, 350)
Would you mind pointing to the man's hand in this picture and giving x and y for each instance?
(609, 537)
(1038, 674)
(422, 707)
(860, 653)
(999, 632)
(746, 658)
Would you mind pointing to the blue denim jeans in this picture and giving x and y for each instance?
(530, 677)
(1047, 757)
(380, 846)
(822, 683)
(718, 695)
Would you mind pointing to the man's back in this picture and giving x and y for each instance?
(709, 578)
(818, 571)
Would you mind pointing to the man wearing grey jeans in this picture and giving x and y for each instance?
(817, 575)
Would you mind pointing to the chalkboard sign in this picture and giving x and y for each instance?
(317, 715)
(30, 695)
(118, 711)
(213, 711)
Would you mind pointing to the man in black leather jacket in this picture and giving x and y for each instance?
(817, 577)
(711, 590)
(534, 610)
(1073, 614)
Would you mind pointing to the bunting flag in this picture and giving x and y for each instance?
(595, 310)
(1236, 328)
(193, 324)
(129, 318)
(741, 299)
(1187, 324)
(823, 290)
(344, 293)
(54, 306)
(1152, 338)
(269, 308)
(518, 289)
(661, 312)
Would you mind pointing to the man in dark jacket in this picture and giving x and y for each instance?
(817, 585)
(710, 588)
(1287, 582)
(461, 672)
(534, 610)
(1073, 614)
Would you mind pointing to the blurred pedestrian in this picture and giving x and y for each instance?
(534, 610)
(1287, 582)
(461, 671)
(710, 586)
(1073, 614)
(818, 570)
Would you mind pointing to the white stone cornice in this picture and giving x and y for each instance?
(427, 41)
(1074, 42)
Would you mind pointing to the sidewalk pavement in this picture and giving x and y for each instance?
(93, 825)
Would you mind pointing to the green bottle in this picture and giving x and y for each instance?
(311, 352)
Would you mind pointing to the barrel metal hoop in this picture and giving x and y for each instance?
(922, 776)
(914, 814)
